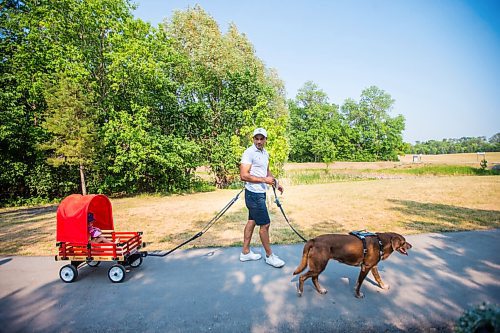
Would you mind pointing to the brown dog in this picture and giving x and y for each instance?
(348, 249)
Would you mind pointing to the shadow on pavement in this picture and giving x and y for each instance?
(209, 290)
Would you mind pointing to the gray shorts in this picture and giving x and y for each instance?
(257, 209)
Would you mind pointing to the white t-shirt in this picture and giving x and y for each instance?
(259, 159)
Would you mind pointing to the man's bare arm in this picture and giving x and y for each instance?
(247, 177)
(269, 174)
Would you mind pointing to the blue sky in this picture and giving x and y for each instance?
(439, 60)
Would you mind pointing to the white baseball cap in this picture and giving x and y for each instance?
(260, 131)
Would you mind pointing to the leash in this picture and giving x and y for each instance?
(278, 203)
(199, 234)
(215, 219)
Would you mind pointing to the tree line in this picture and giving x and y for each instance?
(94, 100)
(455, 146)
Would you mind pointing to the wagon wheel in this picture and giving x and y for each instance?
(93, 263)
(135, 260)
(116, 273)
(68, 273)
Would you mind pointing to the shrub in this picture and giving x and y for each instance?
(483, 164)
(480, 319)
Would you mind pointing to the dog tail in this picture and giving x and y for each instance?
(305, 253)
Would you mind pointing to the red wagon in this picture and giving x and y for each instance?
(75, 244)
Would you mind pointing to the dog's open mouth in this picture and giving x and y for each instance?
(402, 251)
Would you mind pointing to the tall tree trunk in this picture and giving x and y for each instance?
(82, 180)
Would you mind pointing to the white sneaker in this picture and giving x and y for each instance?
(274, 261)
(249, 256)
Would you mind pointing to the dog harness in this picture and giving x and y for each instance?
(362, 234)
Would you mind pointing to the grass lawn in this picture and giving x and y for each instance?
(353, 197)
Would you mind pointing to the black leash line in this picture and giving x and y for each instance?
(278, 203)
(199, 234)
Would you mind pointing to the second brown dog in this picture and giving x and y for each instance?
(348, 249)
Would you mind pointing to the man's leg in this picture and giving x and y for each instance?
(247, 236)
(264, 238)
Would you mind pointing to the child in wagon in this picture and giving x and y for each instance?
(94, 232)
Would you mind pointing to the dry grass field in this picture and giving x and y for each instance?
(406, 204)
(456, 159)
(405, 161)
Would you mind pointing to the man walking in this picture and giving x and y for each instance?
(254, 170)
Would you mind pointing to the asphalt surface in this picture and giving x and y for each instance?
(210, 290)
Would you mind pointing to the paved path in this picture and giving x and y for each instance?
(209, 290)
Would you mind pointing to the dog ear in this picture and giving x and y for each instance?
(396, 242)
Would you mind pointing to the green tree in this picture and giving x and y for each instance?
(41, 40)
(217, 88)
(29, 57)
(494, 143)
(277, 142)
(495, 139)
(140, 158)
(147, 144)
(316, 130)
(376, 135)
(70, 121)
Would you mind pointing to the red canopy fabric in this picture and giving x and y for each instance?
(72, 216)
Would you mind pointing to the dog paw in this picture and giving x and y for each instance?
(360, 295)
(385, 286)
(299, 293)
(322, 291)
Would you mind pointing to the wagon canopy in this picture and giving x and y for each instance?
(72, 216)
